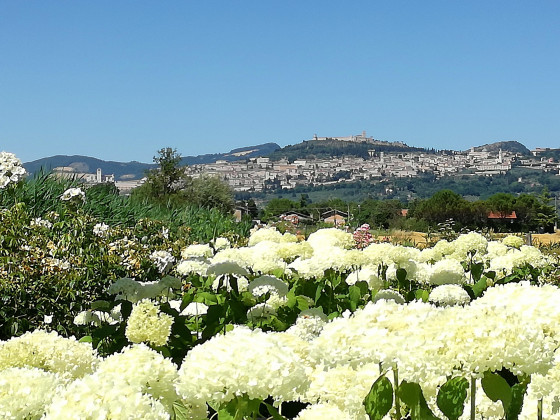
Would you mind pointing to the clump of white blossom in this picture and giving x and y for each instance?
(193, 266)
(147, 323)
(129, 289)
(163, 260)
(197, 250)
(221, 243)
(73, 194)
(39, 222)
(449, 295)
(25, 392)
(50, 352)
(270, 234)
(98, 318)
(11, 169)
(513, 241)
(323, 411)
(100, 229)
(309, 324)
(243, 362)
(192, 309)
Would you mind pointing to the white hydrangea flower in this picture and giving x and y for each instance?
(41, 223)
(309, 324)
(25, 392)
(268, 284)
(197, 251)
(261, 311)
(11, 169)
(331, 237)
(447, 271)
(270, 234)
(449, 295)
(147, 324)
(513, 241)
(239, 256)
(100, 229)
(99, 396)
(323, 411)
(193, 266)
(221, 243)
(343, 386)
(227, 267)
(468, 244)
(244, 362)
(73, 194)
(192, 309)
(140, 366)
(50, 352)
(163, 260)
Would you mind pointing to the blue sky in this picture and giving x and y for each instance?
(119, 80)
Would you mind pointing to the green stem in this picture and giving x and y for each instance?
(473, 397)
(539, 409)
(397, 401)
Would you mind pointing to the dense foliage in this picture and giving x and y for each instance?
(532, 212)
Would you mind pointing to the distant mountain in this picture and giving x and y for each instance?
(509, 146)
(236, 154)
(85, 164)
(136, 170)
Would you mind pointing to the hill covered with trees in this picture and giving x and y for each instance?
(325, 149)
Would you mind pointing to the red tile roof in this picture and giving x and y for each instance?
(502, 215)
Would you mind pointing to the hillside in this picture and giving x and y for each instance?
(506, 146)
(136, 170)
(86, 164)
(235, 154)
(325, 149)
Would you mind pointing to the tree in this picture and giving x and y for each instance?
(167, 178)
(209, 191)
(164, 182)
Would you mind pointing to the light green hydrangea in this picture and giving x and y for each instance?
(25, 392)
(49, 352)
(147, 324)
(513, 241)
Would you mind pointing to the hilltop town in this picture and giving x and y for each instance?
(261, 174)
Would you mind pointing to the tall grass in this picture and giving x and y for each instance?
(41, 194)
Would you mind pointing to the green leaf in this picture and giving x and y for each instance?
(422, 295)
(86, 339)
(302, 303)
(476, 271)
(274, 412)
(411, 394)
(318, 294)
(379, 400)
(207, 298)
(363, 286)
(224, 414)
(451, 397)
(355, 294)
(497, 389)
(180, 411)
(401, 277)
(100, 305)
(479, 287)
